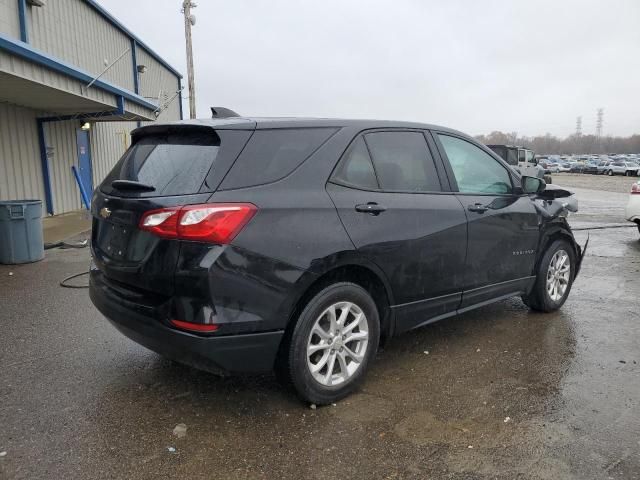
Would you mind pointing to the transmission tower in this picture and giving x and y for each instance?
(599, 123)
(578, 126)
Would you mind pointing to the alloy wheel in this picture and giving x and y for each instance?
(337, 344)
(558, 275)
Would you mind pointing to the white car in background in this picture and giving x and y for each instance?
(632, 211)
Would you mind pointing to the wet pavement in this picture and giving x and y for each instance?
(500, 392)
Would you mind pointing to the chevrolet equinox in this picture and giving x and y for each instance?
(239, 245)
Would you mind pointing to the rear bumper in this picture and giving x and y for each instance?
(245, 353)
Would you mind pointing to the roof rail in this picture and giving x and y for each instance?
(221, 112)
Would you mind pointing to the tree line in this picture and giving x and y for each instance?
(574, 144)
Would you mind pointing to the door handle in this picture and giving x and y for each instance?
(372, 207)
(478, 208)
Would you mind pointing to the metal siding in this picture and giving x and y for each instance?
(20, 173)
(107, 146)
(76, 33)
(158, 81)
(9, 23)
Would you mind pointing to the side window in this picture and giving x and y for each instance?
(272, 154)
(529, 155)
(403, 162)
(521, 156)
(512, 156)
(356, 169)
(475, 170)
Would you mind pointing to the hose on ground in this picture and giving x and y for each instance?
(64, 283)
(603, 227)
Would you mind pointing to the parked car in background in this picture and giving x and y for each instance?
(205, 251)
(632, 212)
(564, 167)
(548, 166)
(602, 167)
(576, 167)
(622, 168)
(590, 167)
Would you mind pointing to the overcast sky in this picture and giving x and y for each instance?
(530, 66)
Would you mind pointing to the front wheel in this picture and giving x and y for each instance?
(333, 342)
(610, 172)
(554, 278)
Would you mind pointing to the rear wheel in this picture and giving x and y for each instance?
(554, 278)
(332, 344)
(610, 172)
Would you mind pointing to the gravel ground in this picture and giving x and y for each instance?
(616, 183)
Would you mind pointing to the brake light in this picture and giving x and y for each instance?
(195, 327)
(635, 188)
(211, 222)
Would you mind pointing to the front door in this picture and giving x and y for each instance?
(388, 194)
(503, 226)
(84, 161)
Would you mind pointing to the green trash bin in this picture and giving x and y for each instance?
(21, 231)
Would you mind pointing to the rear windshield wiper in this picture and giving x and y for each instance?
(133, 186)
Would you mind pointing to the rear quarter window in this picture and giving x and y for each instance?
(273, 154)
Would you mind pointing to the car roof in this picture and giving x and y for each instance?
(262, 123)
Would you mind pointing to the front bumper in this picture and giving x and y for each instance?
(245, 353)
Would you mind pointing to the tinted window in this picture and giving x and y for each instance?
(273, 154)
(512, 156)
(175, 164)
(402, 161)
(521, 156)
(475, 170)
(356, 169)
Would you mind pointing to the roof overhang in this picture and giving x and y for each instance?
(27, 87)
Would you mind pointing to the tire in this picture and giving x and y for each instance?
(540, 298)
(627, 173)
(610, 172)
(322, 388)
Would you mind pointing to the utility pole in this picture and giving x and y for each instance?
(189, 21)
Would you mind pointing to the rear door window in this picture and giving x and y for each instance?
(273, 154)
(174, 164)
(403, 162)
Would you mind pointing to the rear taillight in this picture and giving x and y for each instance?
(209, 222)
(635, 188)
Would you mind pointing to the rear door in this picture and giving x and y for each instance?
(170, 168)
(390, 197)
(502, 224)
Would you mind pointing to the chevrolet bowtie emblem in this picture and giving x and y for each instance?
(105, 212)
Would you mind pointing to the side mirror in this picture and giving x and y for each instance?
(533, 184)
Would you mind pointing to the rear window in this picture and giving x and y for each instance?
(271, 155)
(174, 164)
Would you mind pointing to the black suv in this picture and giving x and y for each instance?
(246, 245)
